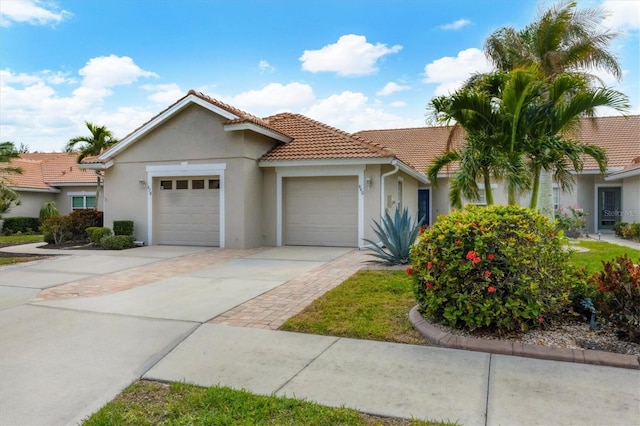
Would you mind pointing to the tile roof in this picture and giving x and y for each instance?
(619, 136)
(313, 140)
(47, 170)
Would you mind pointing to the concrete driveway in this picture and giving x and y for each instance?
(62, 359)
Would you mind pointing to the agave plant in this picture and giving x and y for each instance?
(396, 236)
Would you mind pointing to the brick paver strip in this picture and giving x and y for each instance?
(271, 309)
(141, 275)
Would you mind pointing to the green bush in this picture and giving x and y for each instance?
(96, 234)
(83, 219)
(22, 225)
(635, 231)
(497, 267)
(117, 242)
(58, 229)
(619, 227)
(47, 210)
(619, 281)
(123, 227)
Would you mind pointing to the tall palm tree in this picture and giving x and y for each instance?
(561, 40)
(86, 146)
(8, 196)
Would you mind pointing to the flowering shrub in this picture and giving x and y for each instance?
(573, 219)
(619, 282)
(498, 267)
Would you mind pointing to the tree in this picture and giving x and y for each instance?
(8, 196)
(99, 141)
(561, 40)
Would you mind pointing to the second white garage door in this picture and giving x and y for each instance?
(187, 211)
(320, 211)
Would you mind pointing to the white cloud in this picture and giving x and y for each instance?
(352, 112)
(398, 104)
(623, 14)
(274, 97)
(390, 88)
(32, 12)
(109, 71)
(164, 94)
(450, 73)
(456, 25)
(351, 55)
(265, 66)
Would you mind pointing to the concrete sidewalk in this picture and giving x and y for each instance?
(194, 314)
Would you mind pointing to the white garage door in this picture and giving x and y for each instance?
(320, 211)
(187, 211)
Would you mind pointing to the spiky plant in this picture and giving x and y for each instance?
(396, 235)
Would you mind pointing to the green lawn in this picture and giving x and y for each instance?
(151, 403)
(8, 240)
(598, 251)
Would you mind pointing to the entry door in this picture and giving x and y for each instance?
(423, 206)
(609, 203)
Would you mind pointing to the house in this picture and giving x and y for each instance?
(202, 172)
(51, 177)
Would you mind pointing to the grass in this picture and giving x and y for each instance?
(152, 403)
(369, 305)
(598, 251)
(8, 240)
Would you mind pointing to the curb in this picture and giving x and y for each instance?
(501, 347)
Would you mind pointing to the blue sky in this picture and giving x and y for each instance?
(354, 64)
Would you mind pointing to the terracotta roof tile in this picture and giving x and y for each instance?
(45, 170)
(314, 140)
(619, 136)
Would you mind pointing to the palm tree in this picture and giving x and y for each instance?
(8, 196)
(562, 40)
(100, 140)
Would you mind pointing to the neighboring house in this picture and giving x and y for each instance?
(51, 177)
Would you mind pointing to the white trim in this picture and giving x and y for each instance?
(160, 118)
(96, 166)
(62, 185)
(258, 129)
(596, 212)
(623, 175)
(319, 172)
(52, 190)
(81, 193)
(185, 169)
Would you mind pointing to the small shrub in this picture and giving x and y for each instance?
(83, 219)
(635, 231)
(396, 235)
(117, 242)
(618, 228)
(47, 210)
(619, 281)
(23, 225)
(123, 227)
(96, 234)
(497, 267)
(58, 229)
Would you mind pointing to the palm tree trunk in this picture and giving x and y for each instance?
(488, 192)
(545, 196)
(535, 189)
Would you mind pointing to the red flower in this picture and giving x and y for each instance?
(409, 271)
(471, 255)
(487, 274)
(476, 260)
(491, 289)
(490, 256)
(429, 265)
(540, 320)
(428, 285)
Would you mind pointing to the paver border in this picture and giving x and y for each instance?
(442, 338)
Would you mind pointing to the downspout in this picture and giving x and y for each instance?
(382, 178)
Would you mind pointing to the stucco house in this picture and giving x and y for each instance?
(202, 172)
(51, 177)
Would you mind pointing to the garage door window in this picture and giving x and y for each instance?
(182, 184)
(197, 184)
(214, 184)
(166, 184)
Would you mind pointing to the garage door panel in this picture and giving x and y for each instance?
(187, 216)
(321, 211)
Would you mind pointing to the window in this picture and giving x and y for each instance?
(197, 184)
(83, 202)
(556, 198)
(166, 184)
(214, 183)
(400, 194)
(482, 197)
(182, 184)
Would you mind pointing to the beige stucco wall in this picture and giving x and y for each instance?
(631, 200)
(30, 203)
(192, 136)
